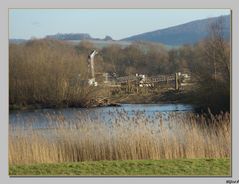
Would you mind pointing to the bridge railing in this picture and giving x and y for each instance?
(152, 79)
(142, 80)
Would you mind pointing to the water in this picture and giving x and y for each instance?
(45, 118)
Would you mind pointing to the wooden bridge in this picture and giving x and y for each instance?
(176, 80)
(160, 78)
(152, 79)
(145, 81)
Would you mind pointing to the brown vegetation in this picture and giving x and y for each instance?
(212, 68)
(53, 73)
(173, 136)
(48, 73)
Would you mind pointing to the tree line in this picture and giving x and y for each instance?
(52, 73)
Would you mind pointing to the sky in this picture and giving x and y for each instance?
(117, 23)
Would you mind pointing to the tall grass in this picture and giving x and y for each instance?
(135, 137)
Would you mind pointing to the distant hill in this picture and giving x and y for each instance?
(101, 43)
(17, 41)
(188, 33)
(76, 36)
(67, 37)
(70, 36)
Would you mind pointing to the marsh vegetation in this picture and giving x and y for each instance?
(135, 137)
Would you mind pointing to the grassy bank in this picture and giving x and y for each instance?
(179, 167)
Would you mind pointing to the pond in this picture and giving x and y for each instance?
(45, 118)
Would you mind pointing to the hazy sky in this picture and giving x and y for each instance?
(117, 23)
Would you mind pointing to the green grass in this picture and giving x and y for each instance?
(178, 167)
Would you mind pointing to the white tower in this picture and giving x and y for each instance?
(91, 62)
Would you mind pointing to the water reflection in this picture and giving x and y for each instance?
(47, 118)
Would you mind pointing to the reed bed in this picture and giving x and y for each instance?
(128, 137)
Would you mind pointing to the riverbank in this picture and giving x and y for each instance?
(40, 106)
(177, 167)
(167, 96)
(163, 96)
(153, 97)
(192, 97)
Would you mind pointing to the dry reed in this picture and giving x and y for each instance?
(170, 136)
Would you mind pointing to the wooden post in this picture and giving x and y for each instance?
(176, 81)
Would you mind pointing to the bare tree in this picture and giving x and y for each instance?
(212, 65)
(217, 49)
